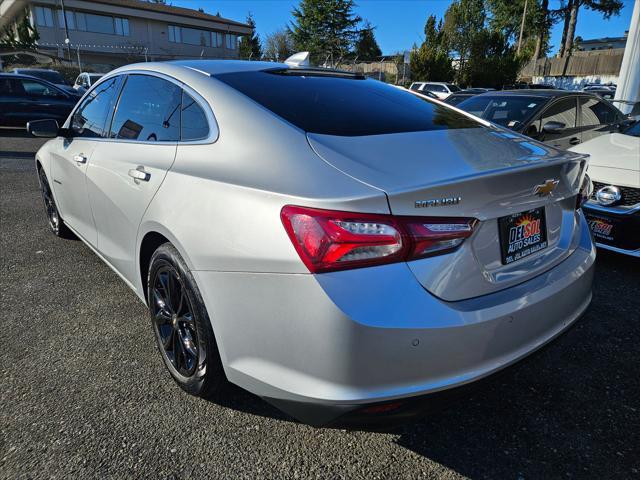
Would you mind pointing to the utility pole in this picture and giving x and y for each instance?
(524, 14)
(66, 30)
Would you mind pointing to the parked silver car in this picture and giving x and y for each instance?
(333, 244)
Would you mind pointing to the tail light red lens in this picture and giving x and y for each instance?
(328, 240)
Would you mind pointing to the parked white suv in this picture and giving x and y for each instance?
(440, 89)
(85, 80)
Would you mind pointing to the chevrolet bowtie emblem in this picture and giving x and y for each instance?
(545, 188)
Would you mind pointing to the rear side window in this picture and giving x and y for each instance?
(595, 112)
(10, 87)
(148, 110)
(563, 111)
(90, 118)
(334, 105)
(194, 125)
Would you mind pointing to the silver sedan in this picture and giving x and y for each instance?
(337, 246)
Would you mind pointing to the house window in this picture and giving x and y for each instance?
(44, 17)
(71, 20)
(232, 41)
(194, 36)
(174, 34)
(218, 39)
(89, 22)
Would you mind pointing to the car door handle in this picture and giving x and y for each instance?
(80, 159)
(139, 174)
(574, 141)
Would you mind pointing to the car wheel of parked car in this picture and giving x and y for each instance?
(181, 324)
(56, 224)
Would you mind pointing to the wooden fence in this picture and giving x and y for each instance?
(606, 63)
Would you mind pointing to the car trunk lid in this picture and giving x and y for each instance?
(483, 173)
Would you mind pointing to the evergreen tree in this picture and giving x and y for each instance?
(366, 46)
(250, 46)
(464, 20)
(325, 28)
(432, 61)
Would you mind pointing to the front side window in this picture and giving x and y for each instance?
(90, 118)
(194, 124)
(595, 112)
(562, 111)
(34, 88)
(342, 104)
(148, 110)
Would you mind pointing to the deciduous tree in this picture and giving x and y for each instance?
(278, 45)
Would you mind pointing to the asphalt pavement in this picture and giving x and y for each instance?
(84, 393)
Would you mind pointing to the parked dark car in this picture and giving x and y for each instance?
(557, 117)
(24, 98)
(49, 75)
(456, 98)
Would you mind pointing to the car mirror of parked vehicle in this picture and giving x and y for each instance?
(553, 127)
(47, 128)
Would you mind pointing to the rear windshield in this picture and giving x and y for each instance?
(334, 105)
(508, 111)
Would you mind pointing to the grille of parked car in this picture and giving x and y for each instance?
(630, 195)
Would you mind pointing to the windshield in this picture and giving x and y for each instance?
(508, 111)
(453, 88)
(53, 77)
(333, 104)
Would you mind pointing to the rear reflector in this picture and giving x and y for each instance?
(329, 240)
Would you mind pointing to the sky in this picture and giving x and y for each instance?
(399, 23)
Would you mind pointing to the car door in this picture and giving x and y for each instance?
(13, 103)
(70, 156)
(561, 112)
(45, 101)
(597, 117)
(126, 170)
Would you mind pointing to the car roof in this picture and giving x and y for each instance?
(208, 67)
(36, 70)
(533, 93)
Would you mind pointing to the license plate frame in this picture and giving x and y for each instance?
(522, 234)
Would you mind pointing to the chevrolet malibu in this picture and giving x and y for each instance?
(335, 245)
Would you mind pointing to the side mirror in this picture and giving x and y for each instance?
(553, 127)
(43, 128)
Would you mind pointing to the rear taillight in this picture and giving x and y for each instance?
(327, 240)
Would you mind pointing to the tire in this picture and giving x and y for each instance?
(56, 223)
(181, 325)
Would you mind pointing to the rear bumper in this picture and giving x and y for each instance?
(322, 346)
(615, 228)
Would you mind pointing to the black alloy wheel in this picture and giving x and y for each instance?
(181, 325)
(173, 321)
(56, 224)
